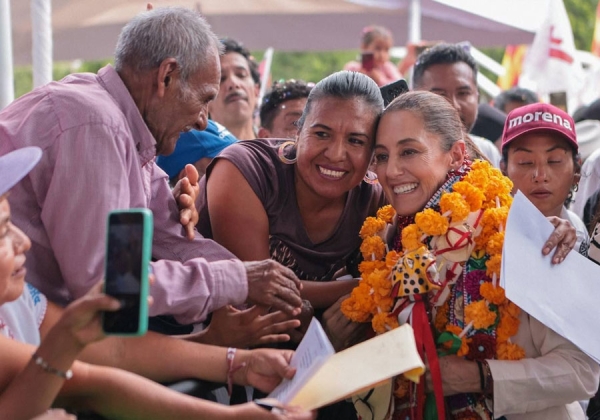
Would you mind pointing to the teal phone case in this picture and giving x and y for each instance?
(146, 245)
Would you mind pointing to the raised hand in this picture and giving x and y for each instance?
(563, 239)
(273, 285)
(231, 327)
(80, 322)
(186, 192)
(263, 368)
(341, 331)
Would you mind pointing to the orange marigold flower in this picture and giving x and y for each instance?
(392, 258)
(441, 317)
(401, 386)
(481, 316)
(366, 267)
(354, 311)
(509, 351)
(497, 186)
(512, 309)
(383, 322)
(507, 327)
(494, 217)
(492, 294)
(480, 164)
(493, 265)
(464, 341)
(381, 282)
(385, 303)
(411, 237)
(478, 176)
(482, 239)
(472, 195)
(454, 203)
(431, 222)
(371, 227)
(372, 246)
(386, 213)
(495, 243)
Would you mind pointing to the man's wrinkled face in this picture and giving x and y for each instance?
(184, 105)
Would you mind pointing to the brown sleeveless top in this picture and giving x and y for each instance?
(273, 183)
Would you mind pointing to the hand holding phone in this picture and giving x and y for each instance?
(367, 61)
(128, 249)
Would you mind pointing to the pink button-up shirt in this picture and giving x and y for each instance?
(100, 156)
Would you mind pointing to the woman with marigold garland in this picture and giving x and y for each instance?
(487, 358)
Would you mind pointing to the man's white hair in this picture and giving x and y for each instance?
(169, 32)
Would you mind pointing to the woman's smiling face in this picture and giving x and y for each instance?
(410, 162)
(335, 145)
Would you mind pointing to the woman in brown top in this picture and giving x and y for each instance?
(302, 203)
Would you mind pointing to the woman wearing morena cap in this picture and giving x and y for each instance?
(540, 155)
(487, 359)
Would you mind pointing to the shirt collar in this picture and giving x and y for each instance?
(145, 143)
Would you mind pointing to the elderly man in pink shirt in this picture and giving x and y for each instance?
(100, 135)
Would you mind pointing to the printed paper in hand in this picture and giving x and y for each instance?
(324, 377)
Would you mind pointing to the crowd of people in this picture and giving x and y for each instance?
(267, 212)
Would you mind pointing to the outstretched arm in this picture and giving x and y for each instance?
(186, 359)
(28, 388)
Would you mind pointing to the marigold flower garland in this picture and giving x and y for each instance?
(484, 191)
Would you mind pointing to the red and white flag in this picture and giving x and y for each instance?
(551, 64)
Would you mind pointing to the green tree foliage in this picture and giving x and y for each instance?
(308, 66)
(582, 14)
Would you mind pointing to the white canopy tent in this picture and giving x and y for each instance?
(87, 29)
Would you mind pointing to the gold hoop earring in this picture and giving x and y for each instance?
(281, 153)
(371, 178)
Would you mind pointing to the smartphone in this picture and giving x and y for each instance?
(127, 262)
(367, 60)
(392, 90)
(559, 100)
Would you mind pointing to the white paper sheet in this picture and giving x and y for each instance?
(314, 350)
(563, 296)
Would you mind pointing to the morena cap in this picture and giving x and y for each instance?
(195, 145)
(539, 117)
(15, 165)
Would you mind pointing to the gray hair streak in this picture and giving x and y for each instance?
(169, 32)
(345, 85)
